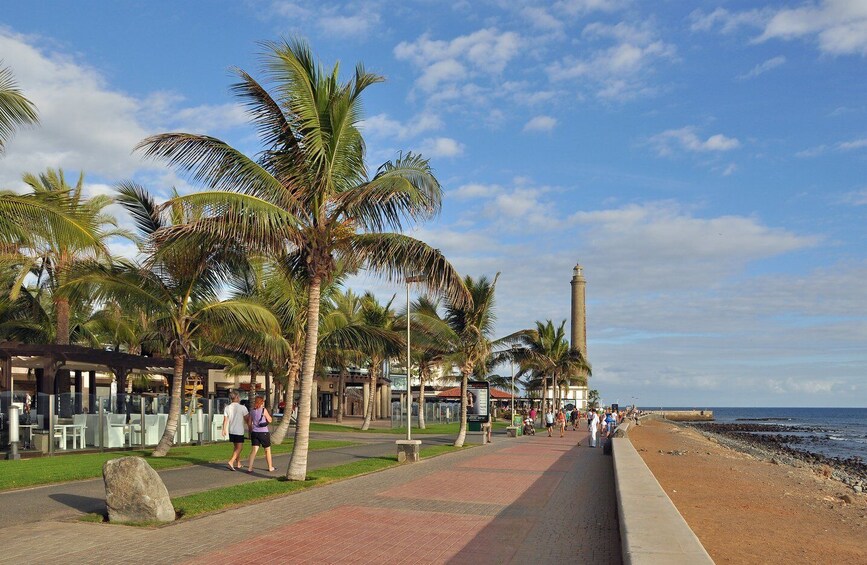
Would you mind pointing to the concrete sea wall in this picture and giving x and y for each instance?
(652, 531)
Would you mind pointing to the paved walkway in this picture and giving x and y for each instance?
(516, 501)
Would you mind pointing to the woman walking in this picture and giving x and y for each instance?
(561, 422)
(260, 435)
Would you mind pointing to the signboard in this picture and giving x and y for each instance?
(478, 401)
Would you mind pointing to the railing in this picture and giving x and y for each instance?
(73, 422)
(434, 413)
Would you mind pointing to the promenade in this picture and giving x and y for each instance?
(530, 499)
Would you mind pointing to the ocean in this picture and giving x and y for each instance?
(832, 432)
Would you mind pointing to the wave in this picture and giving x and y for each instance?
(763, 419)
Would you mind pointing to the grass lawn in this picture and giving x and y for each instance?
(221, 498)
(62, 468)
(443, 429)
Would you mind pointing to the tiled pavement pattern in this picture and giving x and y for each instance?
(524, 500)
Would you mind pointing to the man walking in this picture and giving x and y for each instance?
(549, 421)
(234, 420)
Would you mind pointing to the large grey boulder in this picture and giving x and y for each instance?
(134, 492)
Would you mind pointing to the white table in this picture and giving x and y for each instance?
(75, 430)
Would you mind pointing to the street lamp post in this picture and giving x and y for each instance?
(409, 280)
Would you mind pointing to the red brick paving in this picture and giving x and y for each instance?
(474, 486)
(522, 500)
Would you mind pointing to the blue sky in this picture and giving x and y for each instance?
(704, 161)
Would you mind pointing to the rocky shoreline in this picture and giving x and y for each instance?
(773, 444)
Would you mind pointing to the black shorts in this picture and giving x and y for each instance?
(236, 438)
(262, 439)
(547, 425)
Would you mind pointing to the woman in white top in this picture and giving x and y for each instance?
(233, 426)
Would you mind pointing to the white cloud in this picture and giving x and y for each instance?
(441, 147)
(483, 52)
(540, 18)
(764, 67)
(353, 19)
(851, 145)
(359, 24)
(686, 139)
(475, 190)
(582, 7)
(857, 198)
(728, 22)
(85, 124)
(839, 27)
(620, 71)
(540, 123)
(854, 144)
(661, 246)
(381, 125)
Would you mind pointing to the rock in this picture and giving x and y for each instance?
(134, 492)
(847, 498)
(858, 489)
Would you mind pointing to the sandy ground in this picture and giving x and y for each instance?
(745, 510)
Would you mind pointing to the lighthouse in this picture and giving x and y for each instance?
(579, 328)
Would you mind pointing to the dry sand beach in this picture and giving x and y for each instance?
(746, 510)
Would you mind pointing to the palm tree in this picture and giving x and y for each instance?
(379, 319)
(180, 291)
(432, 342)
(308, 194)
(50, 254)
(15, 109)
(344, 314)
(472, 324)
(544, 353)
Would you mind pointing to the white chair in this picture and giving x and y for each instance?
(152, 429)
(80, 423)
(217, 428)
(182, 435)
(91, 432)
(114, 434)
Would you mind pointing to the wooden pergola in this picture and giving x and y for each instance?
(58, 367)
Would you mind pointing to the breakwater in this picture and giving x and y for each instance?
(685, 415)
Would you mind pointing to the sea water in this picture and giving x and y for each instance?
(832, 432)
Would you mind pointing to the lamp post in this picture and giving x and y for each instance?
(409, 280)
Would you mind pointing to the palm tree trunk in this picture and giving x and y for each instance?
(421, 380)
(268, 390)
(542, 407)
(279, 434)
(341, 394)
(371, 395)
(253, 378)
(462, 432)
(298, 461)
(168, 438)
(61, 310)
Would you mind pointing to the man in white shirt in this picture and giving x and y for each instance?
(234, 420)
(594, 427)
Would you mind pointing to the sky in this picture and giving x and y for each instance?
(704, 161)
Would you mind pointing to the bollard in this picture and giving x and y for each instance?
(14, 433)
(200, 420)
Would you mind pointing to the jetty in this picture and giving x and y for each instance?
(684, 415)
